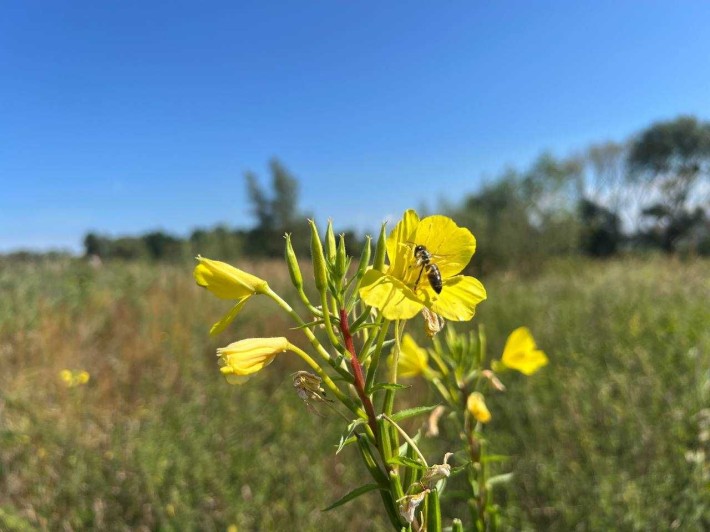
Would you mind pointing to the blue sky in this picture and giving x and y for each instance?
(124, 116)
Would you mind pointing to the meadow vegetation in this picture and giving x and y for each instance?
(614, 434)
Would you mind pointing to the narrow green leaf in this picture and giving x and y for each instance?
(406, 462)
(354, 494)
(411, 412)
(499, 479)
(494, 458)
(389, 386)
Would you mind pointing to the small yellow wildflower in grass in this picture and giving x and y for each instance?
(412, 359)
(227, 282)
(521, 353)
(476, 405)
(395, 290)
(239, 360)
(71, 379)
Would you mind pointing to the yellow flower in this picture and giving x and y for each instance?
(74, 378)
(412, 359)
(240, 360)
(66, 377)
(227, 282)
(521, 353)
(476, 405)
(395, 290)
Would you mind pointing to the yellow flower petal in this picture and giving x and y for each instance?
(412, 358)
(394, 300)
(459, 297)
(476, 405)
(521, 353)
(246, 357)
(228, 318)
(451, 245)
(400, 246)
(226, 281)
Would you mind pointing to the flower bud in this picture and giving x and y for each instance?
(380, 249)
(226, 281)
(476, 405)
(330, 247)
(320, 271)
(294, 269)
(341, 259)
(364, 258)
(239, 360)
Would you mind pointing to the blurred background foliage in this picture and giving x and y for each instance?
(650, 192)
(613, 435)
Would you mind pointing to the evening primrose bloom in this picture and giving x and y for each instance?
(401, 289)
(227, 282)
(240, 360)
(521, 353)
(476, 405)
(412, 359)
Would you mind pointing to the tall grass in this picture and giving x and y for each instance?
(605, 437)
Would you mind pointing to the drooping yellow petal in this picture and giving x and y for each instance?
(476, 405)
(246, 357)
(412, 358)
(452, 246)
(459, 297)
(400, 246)
(388, 294)
(521, 353)
(226, 281)
(228, 318)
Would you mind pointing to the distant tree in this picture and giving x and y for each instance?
(670, 159)
(161, 246)
(600, 233)
(95, 245)
(275, 215)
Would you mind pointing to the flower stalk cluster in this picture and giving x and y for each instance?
(355, 323)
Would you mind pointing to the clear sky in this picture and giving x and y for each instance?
(126, 116)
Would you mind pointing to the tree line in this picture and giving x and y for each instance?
(648, 192)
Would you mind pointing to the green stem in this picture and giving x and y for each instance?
(328, 381)
(309, 334)
(375, 362)
(409, 440)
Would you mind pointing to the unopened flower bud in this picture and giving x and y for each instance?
(380, 249)
(476, 405)
(364, 258)
(294, 269)
(320, 271)
(330, 247)
(239, 360)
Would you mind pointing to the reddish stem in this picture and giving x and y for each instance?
(357, 372)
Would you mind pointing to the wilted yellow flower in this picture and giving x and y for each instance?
(433, 323)
(412, 358)
(521, 353)
(227, 282)
(401, 290)
(239, 360)
(476, 405)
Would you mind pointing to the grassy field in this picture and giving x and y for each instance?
(613, 435)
